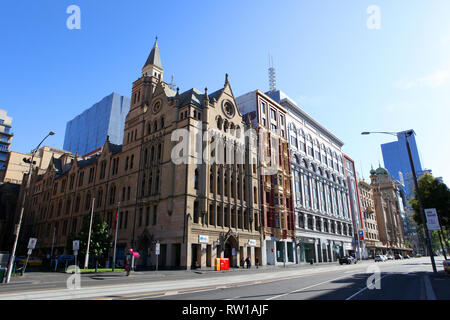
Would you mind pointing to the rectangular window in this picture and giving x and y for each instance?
(140, 217)
(263, 108)
(273, 114)
(147, 216)
(154, 215)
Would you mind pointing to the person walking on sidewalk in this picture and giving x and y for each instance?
(249, 264)
(256, 262)
(242, 262)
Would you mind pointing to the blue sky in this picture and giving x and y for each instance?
(348, 77)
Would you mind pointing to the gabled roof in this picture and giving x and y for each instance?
(192, 96)
(114, 148)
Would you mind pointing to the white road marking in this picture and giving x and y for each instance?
(365, 288)
(429, 289)
(298, 290)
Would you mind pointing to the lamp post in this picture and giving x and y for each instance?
(16, 233)
(416, 184)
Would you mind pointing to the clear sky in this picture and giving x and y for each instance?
(348, 77)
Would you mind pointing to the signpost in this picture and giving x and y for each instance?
(31, 245)
(157, 251)
(432, 219)
(76, 247)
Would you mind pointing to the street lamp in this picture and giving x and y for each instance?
(16, 233)
(422, 213)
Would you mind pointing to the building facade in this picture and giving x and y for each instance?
(355, 208)
(159, 182)
(370, 224)
(269, 119)
(87, 132)
(16, 167)
(388, 213)
(6, 136)
(322, 217)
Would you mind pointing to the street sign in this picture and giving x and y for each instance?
(29, 251)
(432, 219)
(76, 245)
(157, 249)
(32, 243)
(75, 252)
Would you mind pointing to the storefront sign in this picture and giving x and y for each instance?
(252, 242)
(203, 239)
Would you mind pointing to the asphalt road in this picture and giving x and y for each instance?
(402, 280)
(393, 280)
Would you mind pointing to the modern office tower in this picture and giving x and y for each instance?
(5, 141)
(396, 160)
(88, 131)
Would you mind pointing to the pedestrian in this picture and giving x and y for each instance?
(242, 262)
(248, 262)
(256, 262)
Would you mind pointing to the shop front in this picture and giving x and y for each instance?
(306, 250)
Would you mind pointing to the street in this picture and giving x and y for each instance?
(410, 279)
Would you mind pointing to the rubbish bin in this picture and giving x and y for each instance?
(217, 264)
(2, 274)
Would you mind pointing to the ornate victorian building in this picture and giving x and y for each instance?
(160, 181)
(386, 203)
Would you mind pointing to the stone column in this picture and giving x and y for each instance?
(201, 255)
(316, 258)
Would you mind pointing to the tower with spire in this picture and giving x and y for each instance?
(153, 66)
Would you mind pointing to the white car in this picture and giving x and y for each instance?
(380, 258)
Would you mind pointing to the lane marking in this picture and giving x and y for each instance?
(429, 289)
(298, 290)
(365, 288)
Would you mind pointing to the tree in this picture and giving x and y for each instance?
(434, 194)
(101, 240)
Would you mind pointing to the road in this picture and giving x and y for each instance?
(397, 280)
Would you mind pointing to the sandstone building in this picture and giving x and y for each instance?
(196, 210)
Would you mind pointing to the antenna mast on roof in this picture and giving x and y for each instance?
(272, 79)
(172, 84)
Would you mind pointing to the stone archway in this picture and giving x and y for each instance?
(144, 243)
(231, 243)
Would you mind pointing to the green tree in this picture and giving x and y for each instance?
(101, 240)
(434, 194)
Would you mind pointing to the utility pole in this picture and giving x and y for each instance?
(86, 260)
(422, 213)
(17, 231)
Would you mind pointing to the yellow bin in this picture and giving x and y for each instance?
(217, 265)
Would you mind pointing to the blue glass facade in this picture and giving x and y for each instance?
(396, 160)
(88, 131)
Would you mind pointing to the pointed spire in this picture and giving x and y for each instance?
(206, 98)
(226, 79)
(154, 57)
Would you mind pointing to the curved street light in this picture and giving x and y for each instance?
(17, 231)
(422, 213)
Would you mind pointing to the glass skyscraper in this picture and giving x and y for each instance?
(88, 131)
(396, 160)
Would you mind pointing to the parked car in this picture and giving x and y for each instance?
(407, 257)
(65, 258)
(390, 257)
(380, 258)
(398, 256)
(34, 262)
(446, 264)
(347, 260)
